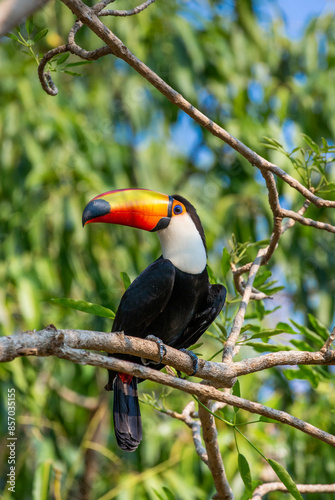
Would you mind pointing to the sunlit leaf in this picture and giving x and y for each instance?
(40, 35)
(29, 25)
(125, 279)
(285, 478)
(225, 262)
(244, 470)
(88, 307)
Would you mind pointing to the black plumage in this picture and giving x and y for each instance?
(176, 307)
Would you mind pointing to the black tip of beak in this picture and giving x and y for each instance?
(94, 209)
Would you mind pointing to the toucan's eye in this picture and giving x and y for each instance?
(177, 209)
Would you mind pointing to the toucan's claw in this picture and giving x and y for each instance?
(194, 359)
(161, 347)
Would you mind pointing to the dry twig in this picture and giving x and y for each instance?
(266, 488)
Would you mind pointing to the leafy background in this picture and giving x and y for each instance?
(109, 130)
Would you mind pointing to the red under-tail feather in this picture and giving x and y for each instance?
(126, 412)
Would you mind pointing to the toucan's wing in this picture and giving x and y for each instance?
(203, 319)
(146, 297)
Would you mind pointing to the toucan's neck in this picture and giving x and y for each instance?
(182, 245)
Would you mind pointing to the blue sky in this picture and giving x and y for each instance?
(297, 13)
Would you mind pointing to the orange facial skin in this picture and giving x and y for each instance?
(139, 208)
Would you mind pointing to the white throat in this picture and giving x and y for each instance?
(182, 244)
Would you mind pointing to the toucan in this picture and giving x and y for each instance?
(171, 301)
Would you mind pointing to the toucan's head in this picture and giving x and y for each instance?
(174, 218)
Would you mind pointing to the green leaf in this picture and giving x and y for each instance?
(62, 58)
(318, 327)
(79, 63)
(237, 389)
(301, 345)
(268, 333)
(262, 347)
(88, 307)
(303, 373)
(325, 146)
(159, 496)
(285, 326)
(267, 420)
(309, 334)
(72, 73)
(40, 35)
(244, 469)
(311, 143)
(225, 262)
(251, 327)
(12, 36)
(41, 481)
(328, 188)
(236, 392)
(126, 280)
(195, 346)
(285, 478)
(262, 277)
(29, 25)
(168, 493)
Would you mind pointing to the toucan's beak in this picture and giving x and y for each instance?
(140, 208)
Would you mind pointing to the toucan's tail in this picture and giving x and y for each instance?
(126, 412)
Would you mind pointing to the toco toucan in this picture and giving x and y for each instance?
(171, 299)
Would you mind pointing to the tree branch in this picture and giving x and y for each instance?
(130, 12)
(227, 355)
(187, 417)
(265, 488)
(20, 345)
(215, 463)
(45, 343)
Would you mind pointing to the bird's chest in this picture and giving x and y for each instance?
(188, 294)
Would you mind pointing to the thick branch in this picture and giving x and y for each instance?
(281, 359)
(45, 342)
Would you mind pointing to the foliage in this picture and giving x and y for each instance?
(109, 130)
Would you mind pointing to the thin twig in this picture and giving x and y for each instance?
(187, 417)
(328, 342)
(45, 78)
(87, 402)
(308, 222)
(131, 12)
(227, 355)
(215, 463)
(265, 488)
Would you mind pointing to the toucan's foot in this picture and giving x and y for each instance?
(194, 359)
(161, 347)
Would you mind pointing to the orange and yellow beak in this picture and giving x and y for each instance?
(140, 208)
